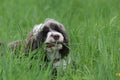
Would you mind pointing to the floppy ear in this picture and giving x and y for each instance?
(63, 31)
(65, 50)
(34, 41)
(30, 43)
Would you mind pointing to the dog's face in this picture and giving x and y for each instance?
(52, 34)
(54, 37)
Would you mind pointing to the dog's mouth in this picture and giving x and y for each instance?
(52, 44)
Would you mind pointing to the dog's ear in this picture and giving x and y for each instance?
(63, 31)
(30, 43)
(33, 42)
(35, 39)
(65, 50)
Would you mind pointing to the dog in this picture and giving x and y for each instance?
(53, 35)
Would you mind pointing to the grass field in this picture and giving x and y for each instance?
(94, 31)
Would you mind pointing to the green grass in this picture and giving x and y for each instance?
(94, 31)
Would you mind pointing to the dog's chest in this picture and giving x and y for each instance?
(55, 56)
(52, 55)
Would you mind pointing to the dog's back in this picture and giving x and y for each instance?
(15, 44)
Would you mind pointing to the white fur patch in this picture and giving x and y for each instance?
(60, 64)
(53, 55)
(37, 29)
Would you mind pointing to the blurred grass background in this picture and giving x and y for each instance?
(94, 31)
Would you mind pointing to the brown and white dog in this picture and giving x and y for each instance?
(53, 35)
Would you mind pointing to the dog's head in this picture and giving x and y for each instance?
(52, 34)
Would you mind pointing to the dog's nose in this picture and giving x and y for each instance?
(56, 37)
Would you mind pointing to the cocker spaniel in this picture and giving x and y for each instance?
(53, 35)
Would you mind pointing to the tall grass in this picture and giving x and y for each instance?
(94, 31)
